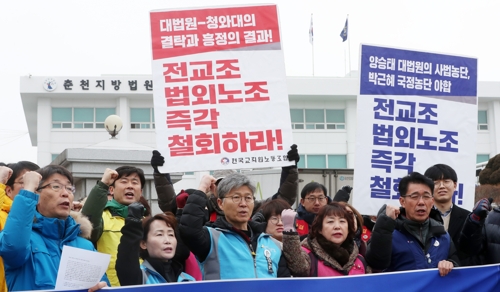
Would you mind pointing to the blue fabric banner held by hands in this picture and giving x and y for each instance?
(480, 278)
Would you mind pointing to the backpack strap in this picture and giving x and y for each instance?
(362, 259)
(313, 272)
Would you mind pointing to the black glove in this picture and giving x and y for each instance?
(481, 209)
(157, 160)
(135, 212)
(259, 217)
(293, 154)
(347, 189)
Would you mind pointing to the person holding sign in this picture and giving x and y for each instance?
(38, 227)
(329, 250)
(234, 247)
(155, 240)
(406, 238)
(169, 202)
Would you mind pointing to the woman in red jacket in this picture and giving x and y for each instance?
(329, 249)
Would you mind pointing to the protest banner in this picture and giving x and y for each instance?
(482, 278)
(220, 91)
(414, 110)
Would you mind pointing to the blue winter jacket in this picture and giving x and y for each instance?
(151, 276)
(393, 247)
(31, 245)
(226, 252)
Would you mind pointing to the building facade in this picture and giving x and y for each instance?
(69, 112)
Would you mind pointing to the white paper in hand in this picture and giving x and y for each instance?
(80, 268)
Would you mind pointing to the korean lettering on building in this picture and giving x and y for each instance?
(103, 84)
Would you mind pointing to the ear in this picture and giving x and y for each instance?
(8, 191)
(112, 190)
(143, 244)
(402, 201)
(455, 185)
(220, 203)
(302, 201)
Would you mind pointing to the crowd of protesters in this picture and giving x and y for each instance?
(217, 230)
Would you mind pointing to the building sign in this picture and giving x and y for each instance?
(220, 90)
(415, 109)
(97, 85)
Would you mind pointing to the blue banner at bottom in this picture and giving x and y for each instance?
(480, 278)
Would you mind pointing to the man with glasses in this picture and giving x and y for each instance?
(39, 226)
(169, 202)
(313, 197)
(453, 217)
(233, 247)
(407, 238)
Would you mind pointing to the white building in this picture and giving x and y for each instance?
(68, 112)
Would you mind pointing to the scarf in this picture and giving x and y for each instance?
(340, 253)
(117, 208)
(304, 215)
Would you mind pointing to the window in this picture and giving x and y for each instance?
(322, 161)
(317, 119)
(482, 120)
(482, 158)
(54, 156)
(79, 118)
(302, 161)
(316, 161)
(337, 161)
(142, 118)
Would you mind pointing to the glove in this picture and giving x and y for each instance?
(288, 219)
(293, 154)
(135, 212)
(347, 189)
(181, 199)
(259, 217)
(157, 160)
(481, 209)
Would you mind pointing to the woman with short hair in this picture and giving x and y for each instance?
(329, 249)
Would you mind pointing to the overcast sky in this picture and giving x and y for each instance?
(90, 38)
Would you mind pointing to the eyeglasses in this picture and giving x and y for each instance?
(446, 183)
(313, 199)
(236, 199)
(58, 187)
(275, 220)
(416, 197)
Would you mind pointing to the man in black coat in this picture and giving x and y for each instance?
(453, 217)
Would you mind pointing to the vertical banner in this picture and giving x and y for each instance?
(415, 109)
(220, 93)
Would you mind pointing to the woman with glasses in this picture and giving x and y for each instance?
(329, 249)
(272, 216)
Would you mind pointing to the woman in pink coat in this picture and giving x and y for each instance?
(329, 250)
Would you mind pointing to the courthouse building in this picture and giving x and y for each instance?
(68, 112)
